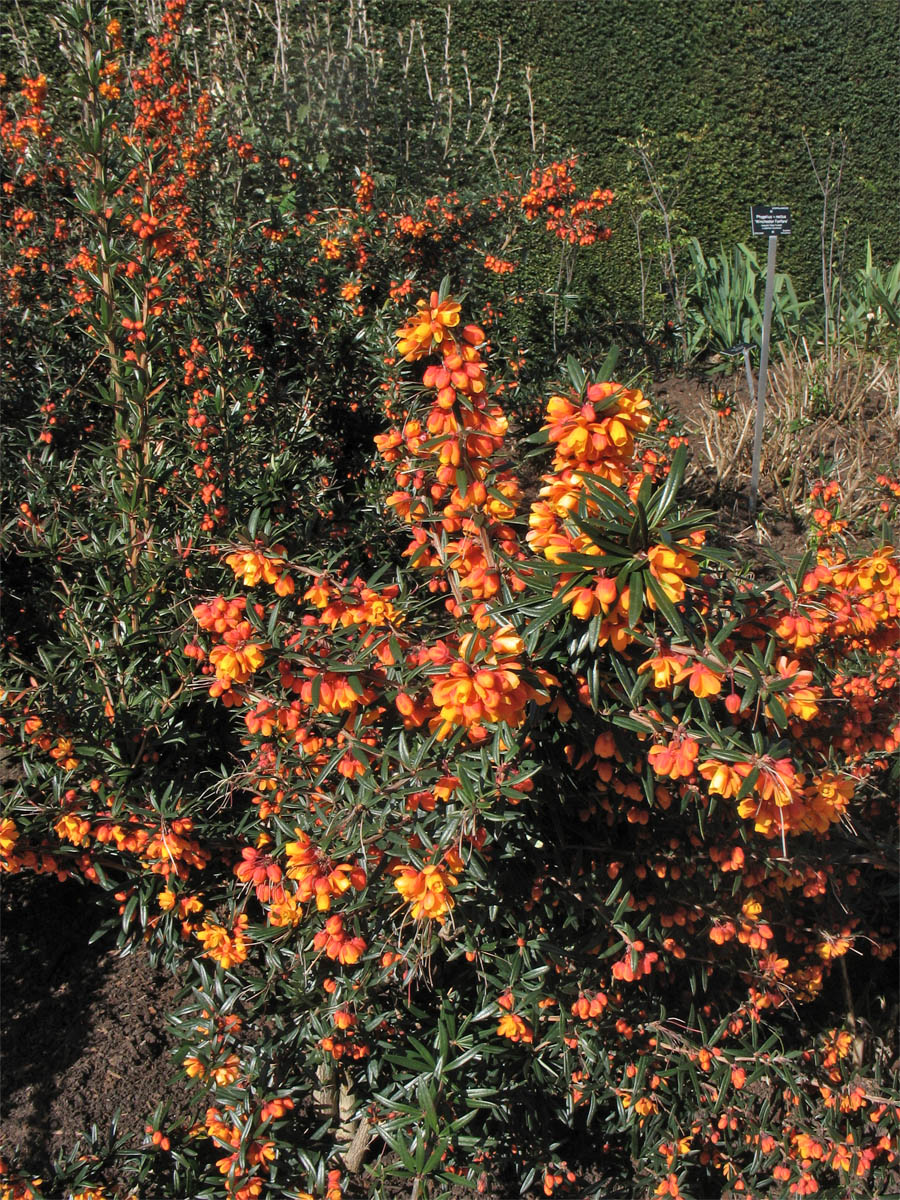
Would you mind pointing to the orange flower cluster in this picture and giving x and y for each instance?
(317, 877)
(331, 692)
(448, 458)
(589, 1006)
(238, 655)
(370, 610)
(260, 870)
(486, 684)
(248, 1151)
(251, 567)
(597, 437)
(426, 891)
(594, 439)
(431, 326)
(551, 189)
(635, 963)
(799, 699)
(844, 603)
(470, 695)
(363, 191)
(228, 947)
(338, 944)
(677, 758)
(499, 266)
(780, 800)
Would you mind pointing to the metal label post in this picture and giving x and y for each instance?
(771, 220)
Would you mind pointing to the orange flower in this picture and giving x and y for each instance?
(72, 828)
(227, 1072)
(585, 603)
(801, 629)
(193, 1067)
(671, 566)
(799, 699)
(823, 803)
(426, 890)
(833, 947)
(837, 1045)
(430, 326)
(724, 779)
(842, 1158)
(701, 680)
(776, 802)
(677, 759)
(516, 1028)
(665, 667)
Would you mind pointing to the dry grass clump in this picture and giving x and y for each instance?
(834, 416)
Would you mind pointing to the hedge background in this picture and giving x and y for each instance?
(751, 74)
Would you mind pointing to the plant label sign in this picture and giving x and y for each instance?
(771, 219)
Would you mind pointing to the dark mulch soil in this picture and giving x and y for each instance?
(82, 1029)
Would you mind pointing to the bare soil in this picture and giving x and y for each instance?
(82, 1028)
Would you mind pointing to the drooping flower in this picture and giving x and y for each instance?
(426, 890)
(337, 944)
(665, 667)
(672, 566)
(677, 759)
(700, 679)
(724, 779)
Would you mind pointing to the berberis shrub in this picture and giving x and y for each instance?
(525, 840)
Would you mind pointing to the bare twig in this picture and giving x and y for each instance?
(529, 75)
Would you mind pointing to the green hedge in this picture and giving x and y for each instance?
(753, 77)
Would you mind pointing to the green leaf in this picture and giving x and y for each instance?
(668, 493)
(576, 374)
(747, 786)
(608, 366)
(776, 711)
(664, 604)
(426, 1104)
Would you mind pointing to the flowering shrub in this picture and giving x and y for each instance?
(586, 755)
(526, 834)
(179, 377)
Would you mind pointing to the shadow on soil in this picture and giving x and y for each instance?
(82, 1029)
